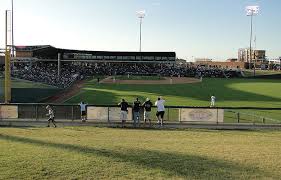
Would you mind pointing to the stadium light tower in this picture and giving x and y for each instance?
(141, 15)
(252, 11)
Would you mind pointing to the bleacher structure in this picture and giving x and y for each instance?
(50, 53)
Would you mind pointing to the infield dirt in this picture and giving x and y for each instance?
(174, 80)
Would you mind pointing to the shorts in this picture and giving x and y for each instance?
(123, 115)
(160, 113)
(51, 119)
(83, 113)
(147, 115)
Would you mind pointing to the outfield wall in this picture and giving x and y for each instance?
(107, 114)
(1, 90)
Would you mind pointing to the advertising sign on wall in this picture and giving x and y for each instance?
(105, 113)
(8, 112)
(202, 115)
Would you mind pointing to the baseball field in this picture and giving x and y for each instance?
(112, 153)
(264, 93)
(228, 92)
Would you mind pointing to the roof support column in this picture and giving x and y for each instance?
(59, 65)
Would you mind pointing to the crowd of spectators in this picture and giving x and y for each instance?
(48, 72)
(45, 73)
(165, 70)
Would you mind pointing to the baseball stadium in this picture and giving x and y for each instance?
(84, 114)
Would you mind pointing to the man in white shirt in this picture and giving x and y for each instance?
(213, 100)
(160, 110)
(83, 111)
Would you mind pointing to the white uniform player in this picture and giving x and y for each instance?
(213, 101)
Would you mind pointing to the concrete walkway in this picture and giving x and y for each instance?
(169, 125)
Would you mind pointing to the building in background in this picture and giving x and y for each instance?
(203, 60)
(229, 64)
(257, 55)
(258, 58)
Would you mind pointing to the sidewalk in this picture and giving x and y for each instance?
(114, 124)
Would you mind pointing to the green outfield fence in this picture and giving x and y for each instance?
(176, 114)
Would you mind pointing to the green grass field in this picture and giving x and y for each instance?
(102, 153)
(229, 92)
(250, 73)
(27, 91)
(18, 83)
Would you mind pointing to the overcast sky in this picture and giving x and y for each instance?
(192, 28)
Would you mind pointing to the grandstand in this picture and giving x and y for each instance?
(50, 53)
(62, 67)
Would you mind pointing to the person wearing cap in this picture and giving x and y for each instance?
(147, 111)
(51, 115)
(160, 110)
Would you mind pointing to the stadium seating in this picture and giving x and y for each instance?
(46, 72)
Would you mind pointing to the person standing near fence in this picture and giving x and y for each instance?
(160, 110)
(147, 111)
(136, 110)
(124, 111)
(83, 111)
(213, 101)
(51, 115)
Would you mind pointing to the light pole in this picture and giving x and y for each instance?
(252, 11)
(141, 15)
(13, 43)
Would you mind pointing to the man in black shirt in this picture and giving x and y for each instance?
(136, 110)
(124, 111)
(147, 111)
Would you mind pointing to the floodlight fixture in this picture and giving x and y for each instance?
(252, 10)
(141, 14)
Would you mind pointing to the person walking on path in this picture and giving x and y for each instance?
(51, 115)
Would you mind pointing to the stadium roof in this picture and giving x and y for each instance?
(48, 52)
(48, 48)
